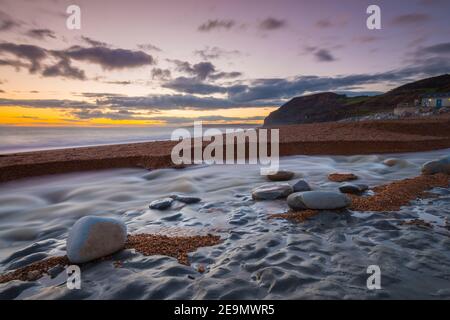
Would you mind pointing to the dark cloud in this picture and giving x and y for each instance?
(216, 53)
(94, 43)
(181, 66)
(203, 70)
(6, 25)
(166, 102)
(35, 57)
(46, 103)
(193, 86)
(7, 22)
(41, 34)
(118, 102)
(410, 19)
(187, 120)
(111, 58)
(33, 54)
(199, 73)
(270, 23)
(280, 88)
(111, 115)
(200, 70)
(225, 75)
(13, 63)
(216, 25)
(64, 69)
(122, 83)
(323, 55)
(324, 23)
(149, 47)
(106, 57)
(99, 94)
(223, 118)
(2, 91)
(320, 54)
(440, 49)
(161, 74)
(330, 23)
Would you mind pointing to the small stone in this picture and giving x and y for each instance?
(186, 199)
(353, 188)
(33, 275)
(272, 191)
(342, 177)
(281, 176)
(301, 186)
(391, 162)
(53, 272)
(318, 200)
(437, 166)
(201, 268)
(161, 204)
(95, 237)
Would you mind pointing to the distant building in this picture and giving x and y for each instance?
(405, 108)
(435, 100)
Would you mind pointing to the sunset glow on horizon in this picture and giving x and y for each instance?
(21, 116)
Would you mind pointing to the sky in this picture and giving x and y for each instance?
(152, 62)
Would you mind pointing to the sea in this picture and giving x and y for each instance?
(15, 139)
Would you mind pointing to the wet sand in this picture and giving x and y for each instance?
(411, 135)
(295, 216)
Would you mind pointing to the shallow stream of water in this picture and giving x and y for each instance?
(260, 258)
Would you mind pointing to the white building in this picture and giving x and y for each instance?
(436, 100)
